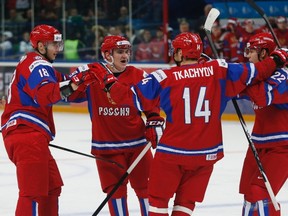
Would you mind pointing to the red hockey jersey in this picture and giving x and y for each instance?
(270, 103)
(33, 90)
(116, 128)
(193, 98)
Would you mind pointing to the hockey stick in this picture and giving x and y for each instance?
(212, 16)
(263, 15)
(121, 180)
(87, 155)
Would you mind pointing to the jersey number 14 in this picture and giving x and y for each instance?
(202, 106)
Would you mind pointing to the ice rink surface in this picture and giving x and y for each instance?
(81, 194)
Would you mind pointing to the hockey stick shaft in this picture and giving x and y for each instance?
(263, 15)
(121, 180)
(207, 27)
(86, 155)
(256, 156)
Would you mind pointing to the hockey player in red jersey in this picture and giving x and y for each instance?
(118, 131)
(269, 134)
(193, 96)
(27, 123)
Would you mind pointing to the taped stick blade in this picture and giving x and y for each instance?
(211, 18)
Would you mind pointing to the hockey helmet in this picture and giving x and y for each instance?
(45, 34)
(190, 44)
(114, 42)
(261, 41)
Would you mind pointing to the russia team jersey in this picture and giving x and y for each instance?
(116, 128)
(193, 98)
(270, 103)
(33, 89)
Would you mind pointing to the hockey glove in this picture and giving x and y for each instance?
(154, 129)
(280, 57)
(104, 76)
(66, 89)
(82, 75)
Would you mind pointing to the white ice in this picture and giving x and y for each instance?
(81, 194)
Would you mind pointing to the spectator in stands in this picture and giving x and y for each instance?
(123, 16)
(15, 16)
(144, 51)
(157, 46)
(281, 31)
(115, 30)
(230, 41)
(48, 16)
(132, 36)
(265, 28)
(14, 22)
(28, 24)
(74, 47)
(246, 32)
(184, 25)
(52, 5)
(200, 22)
(75, 21)
(25, 45)
(94, 39)
(20, 6)
(89, 18)
(6, 46)
(134, 39)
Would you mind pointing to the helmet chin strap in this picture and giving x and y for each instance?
(112, 65)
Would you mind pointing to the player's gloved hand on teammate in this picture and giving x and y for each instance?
(104, 76)
(154, 129)
(82, 76)
(280, 56)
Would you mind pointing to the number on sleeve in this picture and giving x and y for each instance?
(43, 72)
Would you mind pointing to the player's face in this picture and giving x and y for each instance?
(121, 58)
(53, 48)
(252, 55)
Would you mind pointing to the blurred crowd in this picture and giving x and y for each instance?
(83, 37)
(230, 39)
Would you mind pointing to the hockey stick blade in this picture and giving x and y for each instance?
(211, 18)
(263, 15)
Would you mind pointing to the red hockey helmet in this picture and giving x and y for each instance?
(190, 44)
(261, 41)
(45, 33)
(114, 42)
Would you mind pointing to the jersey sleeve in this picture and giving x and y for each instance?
(240, 76)
(272, 91)
(42, 83)
(144, 95)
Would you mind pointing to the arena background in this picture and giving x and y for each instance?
(141, 15)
